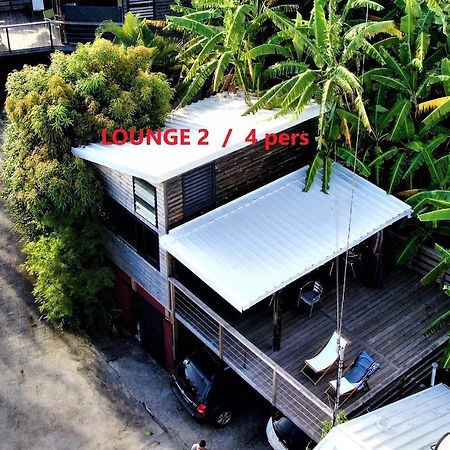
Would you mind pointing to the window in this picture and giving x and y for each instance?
(133, 231)
(145, 200)
(199, 190)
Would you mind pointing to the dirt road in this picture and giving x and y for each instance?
(55, 392)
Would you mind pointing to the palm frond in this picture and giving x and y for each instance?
(198, 82)
(422, 44)
(268, 49)
(284, 68)
(440, 214)
(396, 172)
(440, 107)
(390, 82)
(359, 103)
(312, 171)
(410, 249)
(236, 30)
(321, 31)
(399, 123)
(189, 24)
(301, 82)
(349, 157)
(222, 65)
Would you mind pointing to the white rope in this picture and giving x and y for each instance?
(340, 302)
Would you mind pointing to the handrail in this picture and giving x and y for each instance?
(57, 22)
(274, 366)
(16, 33)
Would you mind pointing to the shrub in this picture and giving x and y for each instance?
(55, 199)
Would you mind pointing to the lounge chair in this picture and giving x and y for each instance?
(325, 359)
(356, 375)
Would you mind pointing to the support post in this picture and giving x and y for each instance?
(220, 341)
(434, 367)
(7, 38)
(276, 303)
(172, 318)
(338, 380)
(274, 387)
(50, 33)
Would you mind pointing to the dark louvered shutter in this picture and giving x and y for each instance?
(199, 190)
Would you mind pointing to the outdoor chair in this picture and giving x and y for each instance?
(49, 15)
(310, 293)
(443, 443)
(325, 359)
(353, 257)
(356, 376)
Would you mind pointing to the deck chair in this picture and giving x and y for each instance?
(310, 293)
(356, 376)
(49, 15)
(325, 359)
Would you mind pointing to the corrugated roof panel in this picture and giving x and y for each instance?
(259, 243)
(217, 114)
(413, 423)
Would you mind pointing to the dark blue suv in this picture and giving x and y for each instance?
(206, 387)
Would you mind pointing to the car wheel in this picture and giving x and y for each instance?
(222, 417)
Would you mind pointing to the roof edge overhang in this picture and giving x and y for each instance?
(98, 153)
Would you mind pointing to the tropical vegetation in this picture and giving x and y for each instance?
(56, 199)
(134, 32)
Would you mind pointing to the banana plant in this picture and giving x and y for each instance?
(225, 45)
(439, 203)
(332, 49)
(402, 148)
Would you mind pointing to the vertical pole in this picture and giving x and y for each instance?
(220, 341)
(50, 32)
(274, 387)
(172, 318)
(276, 301)
(434, 367)
(7, 38)
(338, 380)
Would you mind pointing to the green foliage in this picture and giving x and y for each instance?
(226, 45)
(332, 48)
(136, 32)
(67, 265)
(54, 198)
(328, 424)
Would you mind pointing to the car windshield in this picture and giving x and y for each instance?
(193, 379)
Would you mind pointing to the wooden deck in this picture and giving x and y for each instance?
(386, 322)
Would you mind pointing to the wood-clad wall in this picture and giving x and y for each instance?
(120, 187)
(245, 170)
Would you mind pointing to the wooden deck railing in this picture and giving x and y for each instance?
(263, 374)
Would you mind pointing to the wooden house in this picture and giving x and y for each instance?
(203, 238)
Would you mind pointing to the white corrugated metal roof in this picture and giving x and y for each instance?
(217, 114)
(413, 423)
(259, 243)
